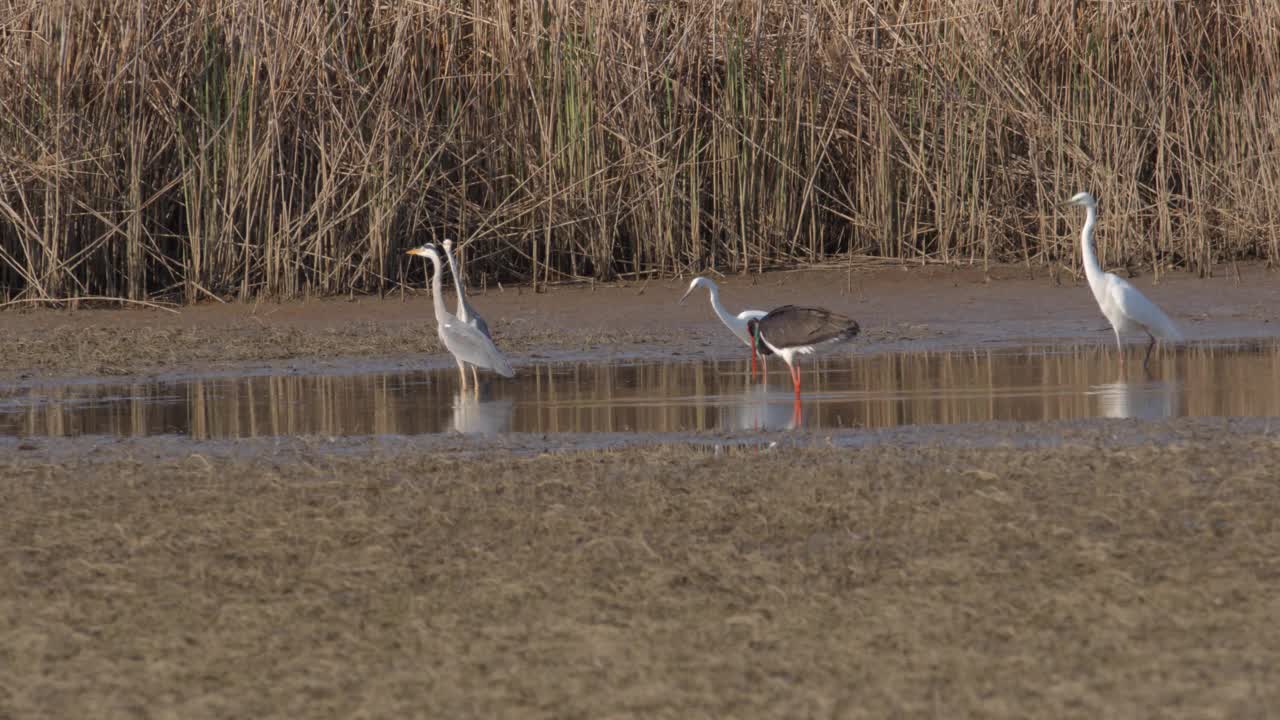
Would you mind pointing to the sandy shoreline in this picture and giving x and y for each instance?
(1130, 568)
(900, 309)
(1098, 433)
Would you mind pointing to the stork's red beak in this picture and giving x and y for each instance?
(754, 327)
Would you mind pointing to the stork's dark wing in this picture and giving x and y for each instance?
(795, 326)
(752, 329)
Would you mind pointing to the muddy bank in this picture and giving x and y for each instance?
(1112, 434)
(930, 308)
(1128, 570)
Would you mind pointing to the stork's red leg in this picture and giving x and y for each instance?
(753, 360)
(795, 378)
(797, 418)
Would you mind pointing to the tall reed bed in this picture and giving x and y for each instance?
(215, 148)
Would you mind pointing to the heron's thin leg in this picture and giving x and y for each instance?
(462, 373)
(474, 378)
(1119, 347)
(1147, 358)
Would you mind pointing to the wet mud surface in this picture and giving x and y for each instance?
(900, 309)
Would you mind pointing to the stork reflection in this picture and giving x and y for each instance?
(758, 409)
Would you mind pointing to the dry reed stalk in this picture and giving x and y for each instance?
(209, 148)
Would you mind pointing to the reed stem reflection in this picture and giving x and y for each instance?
(841, 392)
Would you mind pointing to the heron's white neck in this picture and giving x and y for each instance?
(457, 285)
(725, 316)
(1092, 269)
(437, 298)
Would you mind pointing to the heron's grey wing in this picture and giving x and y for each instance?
(472, 346)
(795, 326)
(475, 321)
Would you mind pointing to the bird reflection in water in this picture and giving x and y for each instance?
(478, 412)
(761, 410)
(1145, 400)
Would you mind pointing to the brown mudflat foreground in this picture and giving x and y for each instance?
(1121, 570)
(899, 309)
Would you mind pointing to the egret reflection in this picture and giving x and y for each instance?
(1143, 400)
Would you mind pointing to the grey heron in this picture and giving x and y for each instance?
(466, 313)
(737, 324)
(467, 344)
(792, 330)
(1123, 305)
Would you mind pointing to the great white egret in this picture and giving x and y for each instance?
(737, 324)
(467, 344)
(1124, 307)
(466, 313)
(791, 330)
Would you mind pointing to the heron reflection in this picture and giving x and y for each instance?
(478, 412)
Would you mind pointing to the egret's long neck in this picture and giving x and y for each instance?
(457, 285)
(1092, 269)
(725, 316)
(437, 298)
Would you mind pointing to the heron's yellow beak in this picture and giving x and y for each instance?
(416, 251)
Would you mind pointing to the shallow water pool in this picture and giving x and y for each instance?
(846, 391)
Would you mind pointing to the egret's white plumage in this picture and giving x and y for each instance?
(466, 313)
(1124, 306)
(737, 324)
(467, 344)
